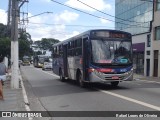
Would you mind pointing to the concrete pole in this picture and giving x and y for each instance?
(14, 45)
(9, 13)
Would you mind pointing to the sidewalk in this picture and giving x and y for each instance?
(141, 77)
(13, 99)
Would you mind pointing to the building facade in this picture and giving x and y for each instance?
(152, 63)
(135, 17)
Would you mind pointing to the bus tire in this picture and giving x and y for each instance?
(62, 79)
(80, 80)
(115, 84)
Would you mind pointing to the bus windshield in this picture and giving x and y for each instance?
(43, 59)
(111, 51)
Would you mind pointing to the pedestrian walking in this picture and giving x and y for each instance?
(3, 71)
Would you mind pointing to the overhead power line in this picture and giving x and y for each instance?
(95, 15)
(69, 25)
(106, 13)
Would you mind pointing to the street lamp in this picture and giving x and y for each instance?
(26, 19)
(39, 14)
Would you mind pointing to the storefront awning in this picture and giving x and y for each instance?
(138, 47)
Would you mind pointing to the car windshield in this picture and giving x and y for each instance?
(111, 51)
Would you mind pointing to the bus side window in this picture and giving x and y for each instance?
(69, 47)
(75, 51)
(75, 43)
(79, 47)
(72, 48)
(53, 53)
(60, 51)
(57, 51)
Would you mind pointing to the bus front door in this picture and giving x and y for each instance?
(85, 60)
(65, 61)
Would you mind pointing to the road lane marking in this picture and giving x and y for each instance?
(120, 96)
(132, 100)
(48, 73)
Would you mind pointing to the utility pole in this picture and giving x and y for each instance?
(14, 45)
(9, 14)
(14, 42)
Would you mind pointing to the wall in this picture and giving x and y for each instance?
(155, 43)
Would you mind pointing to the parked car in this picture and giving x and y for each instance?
(20, 63)
(26, 63)
(47, 65)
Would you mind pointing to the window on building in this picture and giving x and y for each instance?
(149, 40)
(157, 33)
(156, 54)
(158, 5)
(148, 53)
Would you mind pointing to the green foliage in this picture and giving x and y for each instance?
(5, 46)
(4, 31)
(24, 44)
(5, 43)
(25, 36)
(24, 48)
(38, 43)
(46, 43)
(39, 53)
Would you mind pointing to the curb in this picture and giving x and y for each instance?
(25, 95)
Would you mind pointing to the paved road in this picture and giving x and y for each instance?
(46, 92)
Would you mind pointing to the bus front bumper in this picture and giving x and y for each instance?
(103, 77)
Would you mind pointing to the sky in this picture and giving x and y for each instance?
(63, 22)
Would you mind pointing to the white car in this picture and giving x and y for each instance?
(47, 65)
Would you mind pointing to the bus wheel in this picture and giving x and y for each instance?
(115, 83)
(80, 80)
(62, 79)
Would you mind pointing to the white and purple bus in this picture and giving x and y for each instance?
(95, 56)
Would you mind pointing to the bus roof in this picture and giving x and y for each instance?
(87, 33)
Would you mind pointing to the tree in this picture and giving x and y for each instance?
(4, 31)
(38, 53)
(24, 49)
(38, 43)
(25, 36)
(47, 43)
(5, 43)
(25, 42)
(5, 46)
